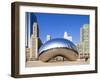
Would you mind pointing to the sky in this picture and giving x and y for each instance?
(56, 24)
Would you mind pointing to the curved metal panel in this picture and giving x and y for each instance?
(56, 43)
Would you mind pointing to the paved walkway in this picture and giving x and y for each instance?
(40, 63)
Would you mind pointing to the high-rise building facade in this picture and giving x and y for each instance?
(84, 33)
(32, 50)
(34, 42)
(48, 37)
(83, 46)
(66, 36)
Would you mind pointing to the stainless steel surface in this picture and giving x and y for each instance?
(57, 43)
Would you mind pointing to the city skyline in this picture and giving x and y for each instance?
(48, 51)
(56, 24)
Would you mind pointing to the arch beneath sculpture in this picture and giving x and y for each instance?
(69, 54)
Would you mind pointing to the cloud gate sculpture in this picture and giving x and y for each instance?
(58, 47)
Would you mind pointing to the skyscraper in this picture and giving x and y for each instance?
(83, 46)
(34, 42)
(48, 37)
(30, 18)
(66, 36)
(84, 33)
(33, 39)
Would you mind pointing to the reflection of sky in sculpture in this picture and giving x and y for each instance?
(58, 42)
